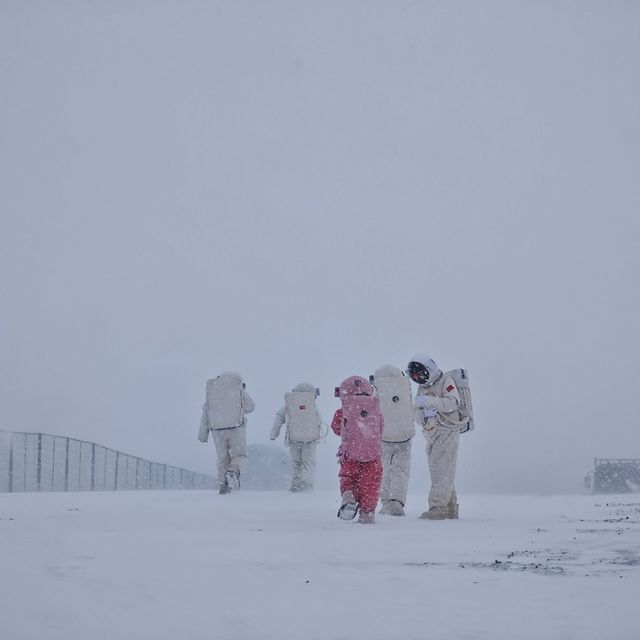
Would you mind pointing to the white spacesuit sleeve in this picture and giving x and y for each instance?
(248, 403)
(450, 400)
(203, 434)
(418, 416)
(277, 423)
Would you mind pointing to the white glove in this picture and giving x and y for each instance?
(429, 411)
(203, 432)
(422, 402)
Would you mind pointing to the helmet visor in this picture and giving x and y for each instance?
(418, 372)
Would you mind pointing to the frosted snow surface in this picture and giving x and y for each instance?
(194, 565)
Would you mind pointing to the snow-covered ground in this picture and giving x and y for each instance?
(257, 565)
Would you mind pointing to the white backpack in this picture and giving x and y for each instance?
(224, 402)
(303, 420)
(396, 406)
(461, 379)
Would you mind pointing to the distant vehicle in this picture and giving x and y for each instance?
(614, 475)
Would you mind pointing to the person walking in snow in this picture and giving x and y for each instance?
(436, 408)
(359, 423)
(223, 414)
(394, 391)
(304, 429)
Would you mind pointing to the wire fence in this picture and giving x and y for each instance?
(44, 462)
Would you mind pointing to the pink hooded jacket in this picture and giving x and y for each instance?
(359, 422)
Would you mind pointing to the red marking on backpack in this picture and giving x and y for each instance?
(302, 407)
(450, 388)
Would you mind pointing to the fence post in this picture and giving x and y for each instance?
(137, 470)
(66, 465)
(24, 486)
(115, 480)
(53, 464)
(93, 466)
(39, 462)
(11, 463)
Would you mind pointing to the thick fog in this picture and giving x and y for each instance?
(302, 191)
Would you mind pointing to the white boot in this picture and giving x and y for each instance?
(384, 510)
(232, 479)
(395, 508)
(436, 513)
(349, 506)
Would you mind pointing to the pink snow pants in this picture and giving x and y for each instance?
(363, 478)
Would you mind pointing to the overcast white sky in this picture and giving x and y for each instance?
(302, 191)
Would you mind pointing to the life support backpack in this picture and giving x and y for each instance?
(303, 420)
(394, 392)
(224, 402)
(361, 429)
(461, 379)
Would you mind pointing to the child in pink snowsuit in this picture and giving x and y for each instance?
(359, 423)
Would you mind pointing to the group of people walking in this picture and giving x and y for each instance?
(375, 422)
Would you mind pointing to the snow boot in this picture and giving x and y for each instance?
(384, 510)
(367, 517)
(395, 508)
(349, 507)
(435, 513)
(232, 478)
(224, 488)
(300, 485)
(452, 511)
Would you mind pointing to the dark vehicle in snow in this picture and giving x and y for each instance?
(614, 475)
